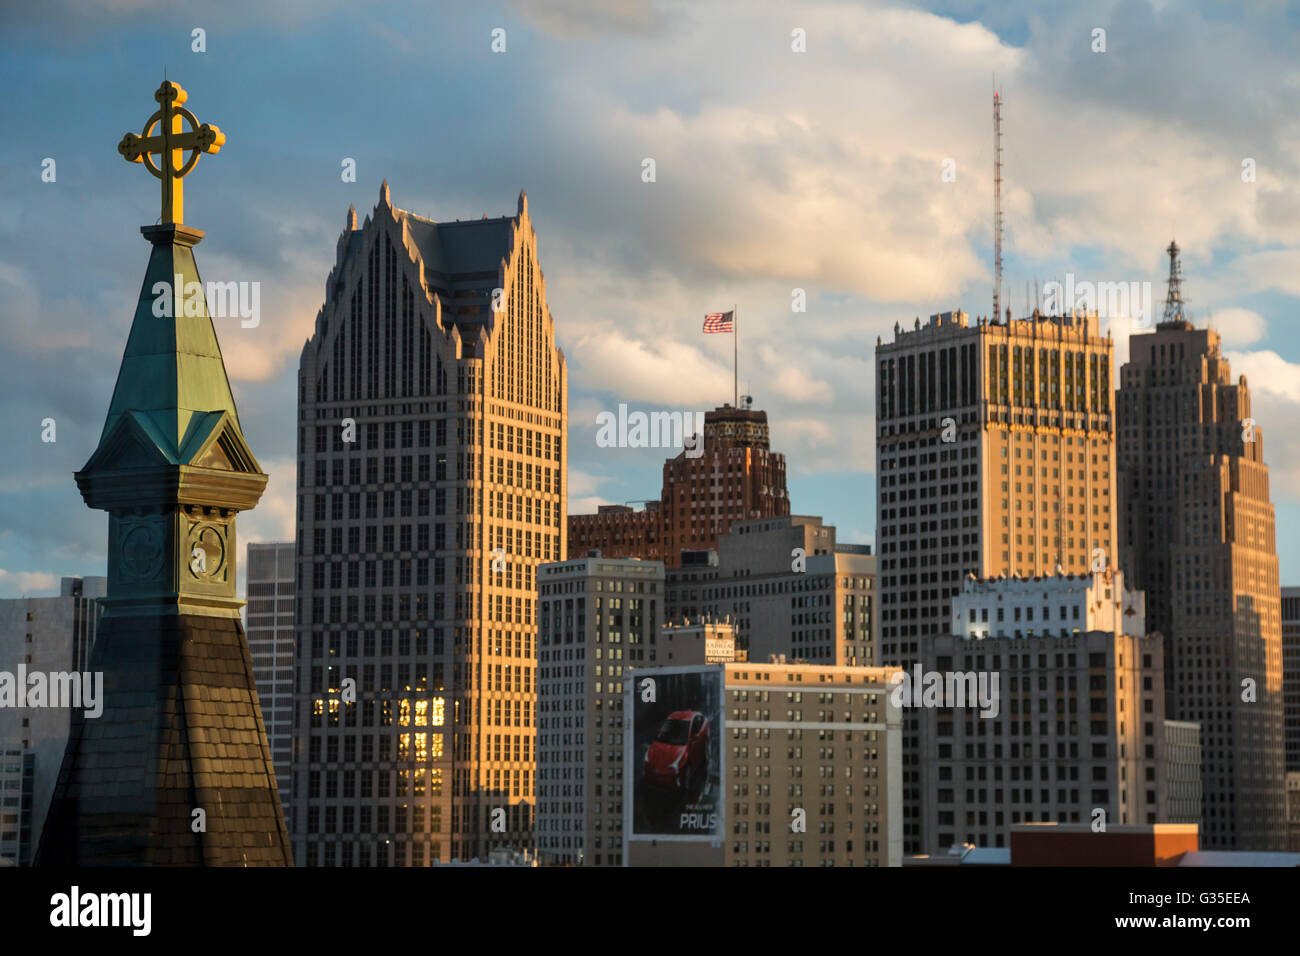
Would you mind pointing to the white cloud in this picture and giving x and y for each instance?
(1238, 327)
(1268, 374)
(587, 505)
(631, 369)
(570, 18)
(274, 518)
(791, 381)
(1275, 269)
(29, 583)
(582, 483)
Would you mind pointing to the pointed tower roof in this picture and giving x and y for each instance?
(172, 374)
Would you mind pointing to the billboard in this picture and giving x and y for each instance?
(675, 762)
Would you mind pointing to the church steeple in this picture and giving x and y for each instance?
(180, 740)
(172, 467)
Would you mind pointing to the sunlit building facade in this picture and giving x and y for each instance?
(1198, 535)
(995, 450)
(431, 468)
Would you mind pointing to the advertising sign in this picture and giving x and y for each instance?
(676, 754)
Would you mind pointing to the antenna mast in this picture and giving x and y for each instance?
(997, 207)
(1174, 300)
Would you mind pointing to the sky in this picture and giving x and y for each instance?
(857, 169)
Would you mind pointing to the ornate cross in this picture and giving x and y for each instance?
(169, 144)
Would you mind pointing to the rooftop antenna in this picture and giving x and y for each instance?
(1174, 301)
(997, 202)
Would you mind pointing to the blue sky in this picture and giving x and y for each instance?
(776, 171)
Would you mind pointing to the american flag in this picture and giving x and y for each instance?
(719, 322)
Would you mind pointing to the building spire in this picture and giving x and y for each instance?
(1174, 301)
(997, 206)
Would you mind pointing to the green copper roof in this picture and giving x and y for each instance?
(172, 373)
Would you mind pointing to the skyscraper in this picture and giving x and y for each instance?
(49, 635)
(431, 463)
(1197, 534)
(269, 625)
(994, 456)
(737, 477)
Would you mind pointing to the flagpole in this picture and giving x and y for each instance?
(735, 354)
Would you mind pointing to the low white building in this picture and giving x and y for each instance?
(705, 642)
(1062, 605)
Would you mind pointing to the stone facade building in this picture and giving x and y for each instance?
(1079, 728)
(1197, 534)
(790, 588)
(809, 775)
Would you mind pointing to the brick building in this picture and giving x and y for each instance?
(738, 477)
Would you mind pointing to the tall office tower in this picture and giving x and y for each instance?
(790, 588)
(736, 477)
(994, 455)
(728, 765)
(268, 623)
(1075, 727)
(599, 618)
(1291, 675)
(1198, 535)
(431, 466)
(45, 635)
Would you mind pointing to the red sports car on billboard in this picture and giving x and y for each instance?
(678, 760)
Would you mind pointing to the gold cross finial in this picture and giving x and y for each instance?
(169, 143)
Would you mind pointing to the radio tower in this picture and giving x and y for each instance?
(997, 207)
(1174, 301)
